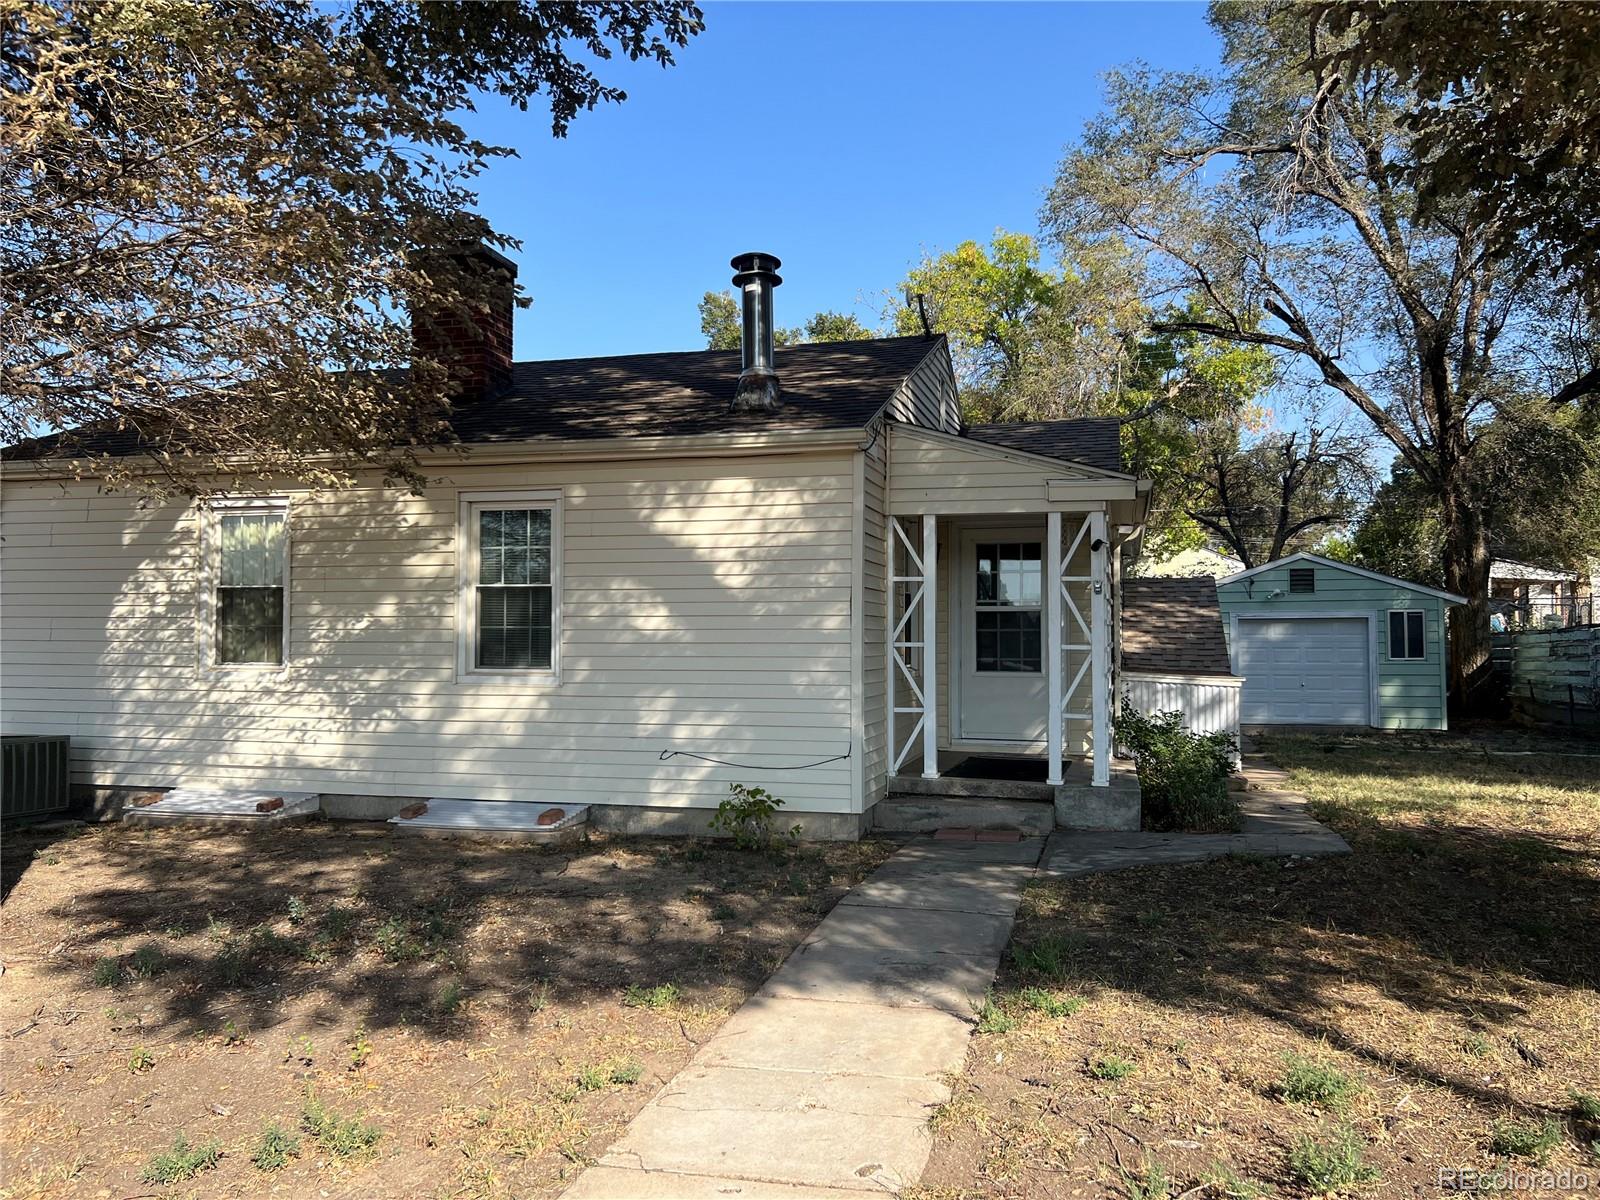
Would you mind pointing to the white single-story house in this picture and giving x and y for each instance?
(636, 581)
(1320, 642)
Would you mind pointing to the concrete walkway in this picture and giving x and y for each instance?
(821, 1085)
(1275, 822)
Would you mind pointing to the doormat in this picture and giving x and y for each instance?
(1017, 770)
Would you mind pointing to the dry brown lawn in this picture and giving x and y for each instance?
(1428, 1003)
(487, 1017)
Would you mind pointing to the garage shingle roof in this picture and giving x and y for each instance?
(1173, 627)
(1094, 441)
(826, 387)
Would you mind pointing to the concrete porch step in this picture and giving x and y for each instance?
(901, 813)
(955, 787)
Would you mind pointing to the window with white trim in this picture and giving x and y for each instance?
(251, 602)
(1407, 634)
(511, 583)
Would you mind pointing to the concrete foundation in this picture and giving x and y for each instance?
(1081, 805)
(695, 822)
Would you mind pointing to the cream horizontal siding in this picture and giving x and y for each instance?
(706, 608)
(937, 475)
(928, 396)
(875, 608)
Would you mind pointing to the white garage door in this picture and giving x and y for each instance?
(1311, 671)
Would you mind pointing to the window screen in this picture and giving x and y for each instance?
(1302, 579)
(250, 587)
(1010, 593)
(1406, 635)
(516, 597)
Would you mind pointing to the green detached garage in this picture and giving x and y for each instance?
(1320, 642)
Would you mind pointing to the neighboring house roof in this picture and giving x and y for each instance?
(829, 386)
(1173, 627)
(1505, 568)
(1307, 556)
(1187, 564)
(1096, 441)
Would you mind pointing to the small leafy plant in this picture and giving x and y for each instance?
(662, 995)
(592, 1079)
(146, 963)
(748, 816)
(275, 1148)
(1051, 1004)
(1585, 1107)
(627, 1072)
(1183, 776)
(1150, 1182)
(107, 972)
(342, 1137)
(182, 1161)
(1049, 957)
(360, 1048)
(140, 1060)
(1110, 1067)
(296, 908)
(1523, 1139)
(994, 1019)
(1310, 1082)
(1331, 1166)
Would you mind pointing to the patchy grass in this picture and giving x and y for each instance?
(1420, 994)
(1525, 1139)
(275, 1149)
(1311, 1081)
(182, 1161)
(438, 999)
(1333, 1164)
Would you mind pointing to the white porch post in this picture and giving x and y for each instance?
(1100, 647)
(930, 647)
(1052, 645)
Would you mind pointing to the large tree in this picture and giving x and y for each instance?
(1267, 496)
(1505, 113)
(1268, 191)
(214, 212)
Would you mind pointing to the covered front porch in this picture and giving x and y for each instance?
(1001, 649)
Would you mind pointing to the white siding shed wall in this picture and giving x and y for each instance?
(707, 608)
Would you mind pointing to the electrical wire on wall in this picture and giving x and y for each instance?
(722, 762)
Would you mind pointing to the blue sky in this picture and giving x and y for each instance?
(843, 137)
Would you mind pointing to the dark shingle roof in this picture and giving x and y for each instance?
(1173, 627)
(1094, 441)
(826, 386)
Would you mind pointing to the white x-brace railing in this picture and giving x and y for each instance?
(913, 652)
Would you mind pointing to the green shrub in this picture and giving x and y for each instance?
(339, 1136)
(1330, 1166)
(747, 816)
(1522, 1139)
(107, 972)
(1183, 776)
(274, 1148)
(1310, 1082)
(182, 1161)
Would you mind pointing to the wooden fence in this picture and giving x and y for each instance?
(1552, 676)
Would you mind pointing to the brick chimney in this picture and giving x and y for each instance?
(472, 339)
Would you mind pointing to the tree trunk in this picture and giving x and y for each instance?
(1466, 572)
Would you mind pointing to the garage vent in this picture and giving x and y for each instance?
(1302, 579)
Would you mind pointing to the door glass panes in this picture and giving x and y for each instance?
(1010, 592)
(515, 596)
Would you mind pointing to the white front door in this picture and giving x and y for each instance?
(998, 636)
(1304, 671)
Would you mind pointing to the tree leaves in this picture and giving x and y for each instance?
(213, 209)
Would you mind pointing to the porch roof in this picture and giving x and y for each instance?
(1094, 441)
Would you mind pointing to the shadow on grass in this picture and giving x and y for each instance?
(381, 931)
(1449, 918)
